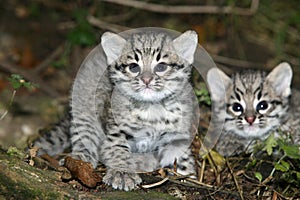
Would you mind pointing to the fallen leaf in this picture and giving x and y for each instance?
(83, 171)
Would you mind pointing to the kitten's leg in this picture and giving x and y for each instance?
(86, 139)
(180, 151)
(121, 167)
(186, 164)
(90, 95)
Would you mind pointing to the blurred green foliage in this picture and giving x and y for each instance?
(83, 33)
(203, 96)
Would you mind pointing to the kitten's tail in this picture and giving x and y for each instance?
(56, 139)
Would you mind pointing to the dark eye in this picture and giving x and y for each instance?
(134, 68)
(236, 107)
(160, 67)
(263, 105)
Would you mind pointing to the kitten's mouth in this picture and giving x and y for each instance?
(147, 90)
(251, 129)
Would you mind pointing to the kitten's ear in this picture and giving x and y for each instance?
(280, 79)
(112, 45)
(217, 82)
(186, 44)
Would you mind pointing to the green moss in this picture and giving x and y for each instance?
(18, 180)
(11, 189)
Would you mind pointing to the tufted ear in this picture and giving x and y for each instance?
(112, 45)
(280, 79)
(185, 45)
(217, 82)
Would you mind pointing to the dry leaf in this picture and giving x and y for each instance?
(82, 171)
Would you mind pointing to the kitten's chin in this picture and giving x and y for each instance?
(150, 95)
(253, 131)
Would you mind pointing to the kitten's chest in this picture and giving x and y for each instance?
(159, 117)
(156, 113)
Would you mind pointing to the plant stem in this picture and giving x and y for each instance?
(272, 172)
(9, 104)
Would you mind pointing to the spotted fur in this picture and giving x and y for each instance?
(257, 104)
(137, 115)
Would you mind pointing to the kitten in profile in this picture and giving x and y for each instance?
(257, 104)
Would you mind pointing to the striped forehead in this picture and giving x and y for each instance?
(148, 40)
(248, 84)
(147, 48)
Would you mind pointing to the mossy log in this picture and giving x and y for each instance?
(19, 180)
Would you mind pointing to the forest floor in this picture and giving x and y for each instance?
(46, 41)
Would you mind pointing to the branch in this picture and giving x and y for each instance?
(188, 9)
(105, 25)
(235, 181)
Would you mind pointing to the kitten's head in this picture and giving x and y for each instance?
(255, 102)
(149, 66)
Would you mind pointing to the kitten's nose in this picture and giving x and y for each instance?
(147, 79)
(250, 120)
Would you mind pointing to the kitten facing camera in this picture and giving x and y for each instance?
(257, 104)
(138, 114)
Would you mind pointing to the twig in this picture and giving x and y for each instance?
(263, 184)
(106, 25)
(201, 174)
(120, 17)
(186, 177)
(274, 169)
(198, 183)
(155, 184)
(32, 77)
(55, 54)
(9, 104)
(189, 182)
(210, 188)
(188, 9)
(235, 181)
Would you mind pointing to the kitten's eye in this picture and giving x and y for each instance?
(236, 107)
(134, 68)
(263, 105)
(160, 67)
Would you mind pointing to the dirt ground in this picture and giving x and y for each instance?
(46, 41)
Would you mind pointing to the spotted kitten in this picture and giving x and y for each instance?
(135, 116)
(257, 104)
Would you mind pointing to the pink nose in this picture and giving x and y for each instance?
(147, 79)
(250, 120)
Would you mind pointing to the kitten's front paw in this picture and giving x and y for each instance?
(121, 180)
